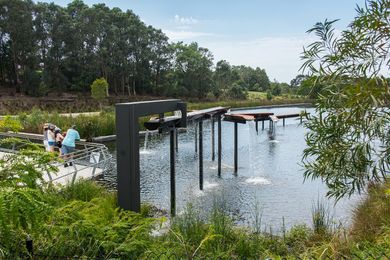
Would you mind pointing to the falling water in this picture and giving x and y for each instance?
(272, 130)
(252, 141)
(146, 140)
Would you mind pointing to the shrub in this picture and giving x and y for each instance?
(9, 123)
(269, 95)
(99, 90)
(236, 92)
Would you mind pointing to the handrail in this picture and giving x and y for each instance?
(85, 158)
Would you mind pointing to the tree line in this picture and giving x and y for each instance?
(45, 47)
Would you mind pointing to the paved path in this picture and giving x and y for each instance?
(65, 174)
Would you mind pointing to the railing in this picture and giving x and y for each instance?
(88, 160)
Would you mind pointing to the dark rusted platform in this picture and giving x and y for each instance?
(194, 116)
(206, 113)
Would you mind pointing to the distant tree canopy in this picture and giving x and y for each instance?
(46, 47)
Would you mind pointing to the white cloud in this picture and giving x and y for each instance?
(184, 35)
(279, 56)
(185, 20)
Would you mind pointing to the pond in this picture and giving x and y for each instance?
(269, 179)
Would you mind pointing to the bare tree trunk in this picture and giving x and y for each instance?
(123, 84)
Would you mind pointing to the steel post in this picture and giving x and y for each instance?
(257, 126)
(173, 134)
(201, 155)
(176, 140)
(212, 139)
(127, 145)
(196, 138)
(129, 187)
(219, 146)
(235, 147)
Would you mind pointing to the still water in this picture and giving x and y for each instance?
(269, 179)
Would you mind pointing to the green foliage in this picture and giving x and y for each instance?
(310, 87)
(83, 191)
(23, 203)
(88, 125)
(192, 70)
(253, 79)
(83, 220)
(269, 95)
(99, 89)
(321, 218)
(236, 92)
(9, 123)
(276, 89)
(372, 215)
(95, 227)
(32, 82)
(348, 142)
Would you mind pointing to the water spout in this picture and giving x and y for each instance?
(146, 140)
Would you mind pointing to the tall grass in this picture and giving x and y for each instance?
(321, 217)
(88, 125)
(371, 218)
(85, 222)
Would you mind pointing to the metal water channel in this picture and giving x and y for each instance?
(269, 173)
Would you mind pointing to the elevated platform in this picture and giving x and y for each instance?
(193, 116)
(88, 161)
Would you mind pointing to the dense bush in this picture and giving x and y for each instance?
(83, 220)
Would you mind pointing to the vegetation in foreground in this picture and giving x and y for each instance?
(83, 220)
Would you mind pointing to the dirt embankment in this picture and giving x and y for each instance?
(62, 103)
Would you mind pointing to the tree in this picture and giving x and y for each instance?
(276, 89)
(255, 79)
(99, 90)
(297, 81)
(193, 70)
(223, 77)
(349, 138)
(236, 91)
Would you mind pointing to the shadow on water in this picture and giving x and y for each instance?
(269, 173)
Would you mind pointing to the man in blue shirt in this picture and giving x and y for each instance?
(69, 143)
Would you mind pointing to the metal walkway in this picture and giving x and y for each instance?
(88, 161)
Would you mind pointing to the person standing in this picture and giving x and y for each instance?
(59, 137)
(69, 143)
(45, 142)
(51, 140)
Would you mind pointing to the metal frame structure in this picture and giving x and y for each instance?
(128, 167)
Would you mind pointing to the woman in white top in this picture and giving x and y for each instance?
(51, 139)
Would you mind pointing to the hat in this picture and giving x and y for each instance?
(73, 127)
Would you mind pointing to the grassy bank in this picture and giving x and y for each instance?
(102, 124)
(92, 125)
(254, 101)
(88, 125)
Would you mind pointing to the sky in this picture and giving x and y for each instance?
(269, 34)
